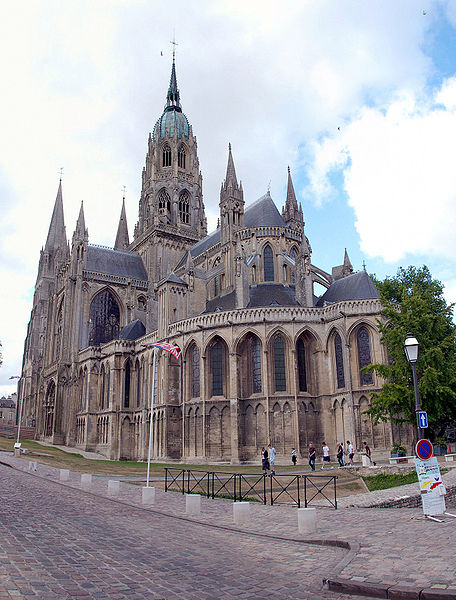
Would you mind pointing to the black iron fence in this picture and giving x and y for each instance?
(299, 490)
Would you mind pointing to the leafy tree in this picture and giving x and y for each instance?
(413, 302)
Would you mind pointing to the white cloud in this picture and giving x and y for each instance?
(399, 175)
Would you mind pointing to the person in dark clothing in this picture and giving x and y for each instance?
(312, 456)
(265, 460)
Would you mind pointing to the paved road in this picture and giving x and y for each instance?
(58, 543)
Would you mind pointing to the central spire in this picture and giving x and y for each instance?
(173, 96)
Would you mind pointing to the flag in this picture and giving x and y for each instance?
(174, 350)
(14, 377)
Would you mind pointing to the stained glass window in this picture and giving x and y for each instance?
(217, 369)
(164, 202)
(256, 365)
(166, 156)
(104, 319)
(127, 385)
(184, 207)
(181, 157)
(364, 355)
(108, 384)
(302, 374)
(268, 258)
(339, 361)
(279, 364)
(103, 384)
(138, 384)
(195, 372)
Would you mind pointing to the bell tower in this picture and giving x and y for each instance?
(171, 210)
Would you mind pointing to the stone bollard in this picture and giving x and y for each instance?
(241, 512)
(148, 495)
(64, 475)
(365, 460)
(307, 520)
(193, 504)
(33, 466)
(113, 487)
(86, 480)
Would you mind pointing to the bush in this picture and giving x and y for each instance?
(399, 450)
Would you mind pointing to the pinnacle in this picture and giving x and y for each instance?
(122, 238)
(56, 237)
(230, 170)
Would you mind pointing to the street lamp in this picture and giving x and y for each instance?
(411, 346)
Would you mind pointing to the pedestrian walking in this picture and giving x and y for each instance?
(351, 453)
(340, 454)
(272, 455)
(294, 456)
(368, 453)
(312, 456)
(326, 456)
(264, 460)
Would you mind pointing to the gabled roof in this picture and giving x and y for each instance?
(263, 213)
(134, 330)
(173, 278)
(115, 262)
(272, 294)
(358, 286)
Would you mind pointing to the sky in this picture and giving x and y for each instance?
(357, 98)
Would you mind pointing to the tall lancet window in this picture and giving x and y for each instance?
(104, 319)
(279, 364)
(268, 259)
(181, 157)
(166, 155)
(364, 355)
(338, 352)
(184, 207)
(302, 370)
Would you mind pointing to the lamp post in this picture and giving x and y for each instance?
(411, 346)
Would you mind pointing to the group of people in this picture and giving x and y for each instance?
(341, 453)
(344, 455)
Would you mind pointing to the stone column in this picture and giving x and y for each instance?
(234, 409)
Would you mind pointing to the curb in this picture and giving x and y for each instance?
(393, 592)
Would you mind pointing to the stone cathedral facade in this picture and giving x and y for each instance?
(263, 359)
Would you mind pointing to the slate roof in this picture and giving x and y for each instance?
(173, 278)
(263, 294)
(272, 294)
(262, 213)
(115, 262)
(358, 286)
(134, 330)
(7, 403)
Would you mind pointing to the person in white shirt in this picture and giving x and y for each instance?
(326, 456)
(272, 455)
(351, 453)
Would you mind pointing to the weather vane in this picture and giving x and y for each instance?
(174, 43)
(61, 173)
(124, 189)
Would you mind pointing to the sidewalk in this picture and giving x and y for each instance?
(390, 553)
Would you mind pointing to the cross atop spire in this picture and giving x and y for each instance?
(173, 96)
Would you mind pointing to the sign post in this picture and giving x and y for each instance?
(429, 479)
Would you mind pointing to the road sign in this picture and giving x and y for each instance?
(424, 449)
(422, 418)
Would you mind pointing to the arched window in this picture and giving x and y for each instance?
(58, 332)
(166, 155)
(138, 384)
(103, 387)
(338, 352)
(216, 285)
(126, 394)
(364, 356)
(108, 385)
(279, 364)
(268, 259)
(249, 365)
(81, 390)
(195, 371)
(184, 207)
(217, 368)
(181, 157)
(104, 319)
(293, 255)
(164, 202)
(302, 368)
(256, 365)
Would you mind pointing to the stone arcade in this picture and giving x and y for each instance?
(263, 359)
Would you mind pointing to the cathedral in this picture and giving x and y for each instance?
(263, 358)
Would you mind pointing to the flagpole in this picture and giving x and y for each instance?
(151, 413)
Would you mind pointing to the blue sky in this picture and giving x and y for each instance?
(358, 98)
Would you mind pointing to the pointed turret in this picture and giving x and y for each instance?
(122, 239)
(81, 233)
(348, 267)
(56, 238)
(231, 202)
(292, 215)
(343, 270)
(230, 171)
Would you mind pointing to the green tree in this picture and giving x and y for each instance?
(413, 302)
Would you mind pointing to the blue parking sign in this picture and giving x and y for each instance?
(422, 418)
